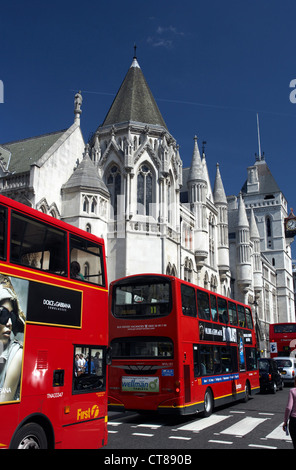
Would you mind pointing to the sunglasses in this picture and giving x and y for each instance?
(5, 314)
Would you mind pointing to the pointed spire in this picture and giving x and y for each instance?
(196, 172)
(219, 193)
(242, 214)
(254, 233)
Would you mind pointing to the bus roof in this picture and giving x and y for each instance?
(48, 218)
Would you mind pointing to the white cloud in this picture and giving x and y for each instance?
(164, 37)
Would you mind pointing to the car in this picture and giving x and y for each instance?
(269, 375)
(287, 367)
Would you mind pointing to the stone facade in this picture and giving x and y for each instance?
(128, 185)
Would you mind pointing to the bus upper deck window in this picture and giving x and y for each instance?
(86, 261)
(37, 245)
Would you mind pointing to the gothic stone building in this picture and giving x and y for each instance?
(128, 185)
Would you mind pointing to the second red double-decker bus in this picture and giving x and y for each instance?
(53, 333)
(178, 348)
(282, 339)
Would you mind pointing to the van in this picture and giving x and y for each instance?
(287, 368)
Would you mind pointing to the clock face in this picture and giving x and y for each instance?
(291, 224)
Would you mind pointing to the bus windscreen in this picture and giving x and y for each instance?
(136, 300)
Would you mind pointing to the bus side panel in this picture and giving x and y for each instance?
(40, 394)
(9, 415)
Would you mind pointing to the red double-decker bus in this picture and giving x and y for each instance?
(178, 348)
(53, 332)
(282, 339)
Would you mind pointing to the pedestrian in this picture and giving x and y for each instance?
(290, 414)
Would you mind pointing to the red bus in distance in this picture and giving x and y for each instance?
(282, 339)
(178, 348)
(53, 333)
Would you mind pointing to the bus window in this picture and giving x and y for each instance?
(251, 359)
(86, 261)
(232, 313)
(89, 369)
(188, 300)
(203, 305)
(137, 300)
(142, 347)
(207, 360)
(195, 361)
(241, 316)
(37, 245)
(217, 361)
(249, 318)
(222, 310)
(284, 328)
(214, 310)
(229, 359)
(3, 225)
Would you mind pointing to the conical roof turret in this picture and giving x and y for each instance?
(242, 214)
(196, 172)
(85, 176)
(134, 101)
(219, 193)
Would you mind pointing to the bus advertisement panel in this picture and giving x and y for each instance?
(53, 333)
(177, 348)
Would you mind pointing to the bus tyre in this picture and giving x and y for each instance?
(29, 436)
(208, 403)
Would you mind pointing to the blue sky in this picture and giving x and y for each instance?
(211, 66)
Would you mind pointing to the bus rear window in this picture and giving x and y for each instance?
(142, 347)
(139, 300)
(285, 328)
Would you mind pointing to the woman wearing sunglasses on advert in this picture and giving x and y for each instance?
(12, 321)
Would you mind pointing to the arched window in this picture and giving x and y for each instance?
(188, 270)
(94, 204)
(268, 227)
(114, 186)
(85, 203)
(144, 189)
(212, 245)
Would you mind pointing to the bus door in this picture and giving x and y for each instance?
(188, 372)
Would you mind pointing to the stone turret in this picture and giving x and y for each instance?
(222, 225)
(244, 271)
(197, 188)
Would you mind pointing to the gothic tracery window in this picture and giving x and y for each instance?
(144, 182)
(269, 241)
(114, 186)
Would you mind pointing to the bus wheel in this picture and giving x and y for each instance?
(208, 403)
(29, 436)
